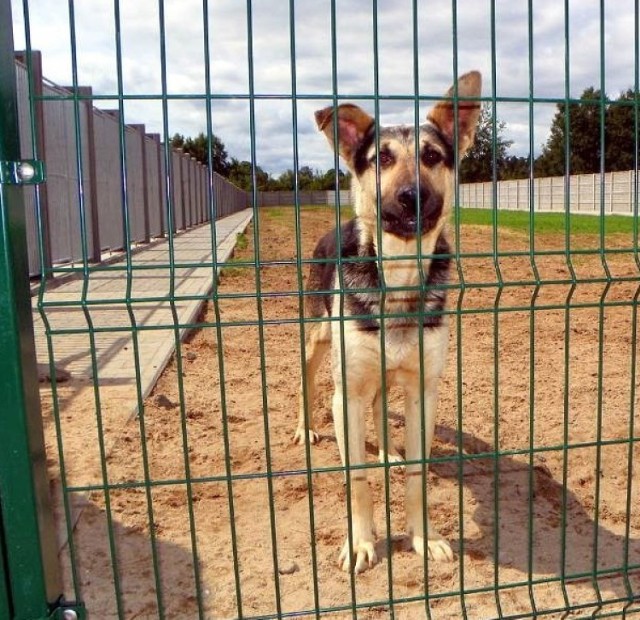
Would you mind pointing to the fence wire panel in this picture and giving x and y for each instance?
(182, 315)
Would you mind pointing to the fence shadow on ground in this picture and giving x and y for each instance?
(138, 591)
(532, 535)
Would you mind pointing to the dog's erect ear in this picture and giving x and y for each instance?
(353, 125)
(443, 115)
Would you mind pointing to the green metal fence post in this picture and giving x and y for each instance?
(4, 582)
(26, 519)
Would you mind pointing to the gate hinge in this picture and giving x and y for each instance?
(23, 172)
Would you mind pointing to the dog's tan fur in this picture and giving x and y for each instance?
(413, 270)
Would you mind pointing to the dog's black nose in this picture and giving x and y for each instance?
(407, 197)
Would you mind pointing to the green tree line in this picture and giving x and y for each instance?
(584, 135)
(241, 173)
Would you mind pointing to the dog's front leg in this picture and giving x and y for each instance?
(318, 343)
(362, 528)
(392, 455)
(436, 546)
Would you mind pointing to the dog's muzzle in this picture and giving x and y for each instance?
(400, 217)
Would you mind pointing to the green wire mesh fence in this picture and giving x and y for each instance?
(175, 350)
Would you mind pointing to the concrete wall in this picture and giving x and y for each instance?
(613, 192)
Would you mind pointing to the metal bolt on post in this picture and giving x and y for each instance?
(26, 171)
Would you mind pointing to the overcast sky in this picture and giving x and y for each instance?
(501, 52)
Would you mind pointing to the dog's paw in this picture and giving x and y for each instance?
(298, 437)
(392, 457)
(438, 548)
(363, 551)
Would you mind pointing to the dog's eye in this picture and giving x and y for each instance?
(385, 158)
(431, 157)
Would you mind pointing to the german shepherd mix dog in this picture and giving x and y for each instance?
(416, 195)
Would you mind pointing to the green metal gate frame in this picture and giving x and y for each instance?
(29, 576)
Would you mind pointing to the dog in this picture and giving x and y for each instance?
(385, 286)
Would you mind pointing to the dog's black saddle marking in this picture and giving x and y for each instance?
(362, 286)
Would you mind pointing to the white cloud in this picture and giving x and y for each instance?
(501, 52)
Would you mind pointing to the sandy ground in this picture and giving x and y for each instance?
(503, 515)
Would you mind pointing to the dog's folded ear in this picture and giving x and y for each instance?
(468, 111)
(353, 125)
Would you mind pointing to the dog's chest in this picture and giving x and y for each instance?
(401, 296)
(401, 347)
(401, 353)
(398, 346)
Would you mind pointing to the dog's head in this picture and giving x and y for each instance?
(410, 183)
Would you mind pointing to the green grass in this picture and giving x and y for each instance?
(285, 213)
(548, 223)
(275, 213)
(229, 271)
(242, 241)
(545, 223)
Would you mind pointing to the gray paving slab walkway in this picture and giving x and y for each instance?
(87, 415)
(106, 323)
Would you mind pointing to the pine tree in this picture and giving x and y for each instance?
(621, 143)
(583, 143)
(477, 164)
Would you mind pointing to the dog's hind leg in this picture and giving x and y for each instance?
(317, 345)
(392, 454)
(416, 498)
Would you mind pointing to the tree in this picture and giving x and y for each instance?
(477, 164)
(177, 142)
(515, 167)
(241, 174)
(328, 180)
(306, 178)
(583, 140)
(621, 142)
(309, 179)
(285, 181)
(198, 147)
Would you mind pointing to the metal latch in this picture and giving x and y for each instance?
(24, 172)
